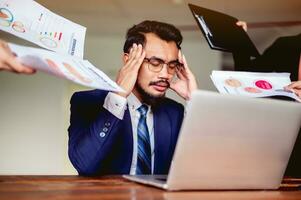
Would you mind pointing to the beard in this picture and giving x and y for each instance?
(150, 99)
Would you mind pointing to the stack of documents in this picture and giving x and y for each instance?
(253, 84)
(65, 39)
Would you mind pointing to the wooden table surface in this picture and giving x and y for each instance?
(115, 187)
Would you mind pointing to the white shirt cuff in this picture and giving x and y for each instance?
(115, 104)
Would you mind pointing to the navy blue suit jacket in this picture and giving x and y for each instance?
(100, 143)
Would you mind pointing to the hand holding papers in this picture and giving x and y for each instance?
(253, 84)
(9, 62)
(31, 21)
(64, 66)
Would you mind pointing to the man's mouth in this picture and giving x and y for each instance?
(160, 86)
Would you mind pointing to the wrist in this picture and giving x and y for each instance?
(125, 95)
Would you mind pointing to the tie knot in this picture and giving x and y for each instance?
(143, 110)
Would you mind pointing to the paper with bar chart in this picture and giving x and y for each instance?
(31, 21)
(65, 66)
(252, 84)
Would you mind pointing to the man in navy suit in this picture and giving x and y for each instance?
(134, 132)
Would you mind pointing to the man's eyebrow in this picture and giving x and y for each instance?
(176, 60)
(154, 57)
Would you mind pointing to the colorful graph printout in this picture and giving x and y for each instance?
(252, 84)
(31, 21)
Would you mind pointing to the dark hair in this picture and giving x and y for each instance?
(163, 30)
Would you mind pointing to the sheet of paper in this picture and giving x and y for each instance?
(252, 84)
(31, 21)
(65, 66)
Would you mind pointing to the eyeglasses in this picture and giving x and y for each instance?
(156, 65)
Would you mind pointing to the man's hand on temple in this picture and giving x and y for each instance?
(186, 82)
(127, 75)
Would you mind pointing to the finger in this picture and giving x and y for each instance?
(187, 70)
(185, 62)
(28, 70)
(7, 47)
(3, 44)
(180, 74)
(136, 54)
(5, 51)
(293, 85)
(130, 56)
(181, 60)
(132, 51)
(132, 67)
(17, 67)
(4, 66)
(173, 86)
(180, 56)
(190, 76)
(137, 63)
(8, 50)
(243, 25)
(141, 59)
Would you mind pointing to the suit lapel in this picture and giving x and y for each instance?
(162, 131)
(129, 138)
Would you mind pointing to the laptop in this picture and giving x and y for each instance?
(221, 31)
(230, 142)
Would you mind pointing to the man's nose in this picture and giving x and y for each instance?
(164, 72)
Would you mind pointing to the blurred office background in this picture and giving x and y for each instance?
(34, 110)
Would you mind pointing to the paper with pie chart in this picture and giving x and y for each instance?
(252, 84)
(65, 66)
(31, 21)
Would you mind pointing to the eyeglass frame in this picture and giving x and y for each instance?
(161, 64)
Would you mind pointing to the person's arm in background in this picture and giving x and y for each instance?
(9, 62)
(242, 62)
(296, 86)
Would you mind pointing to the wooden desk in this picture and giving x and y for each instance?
(114, 187)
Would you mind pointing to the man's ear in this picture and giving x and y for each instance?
(125, 58)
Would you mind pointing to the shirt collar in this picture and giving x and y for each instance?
(134, 103)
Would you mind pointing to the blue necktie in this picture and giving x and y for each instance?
(144, 161)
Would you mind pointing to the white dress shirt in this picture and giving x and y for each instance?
(117, 105)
